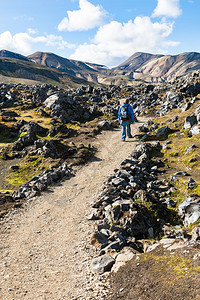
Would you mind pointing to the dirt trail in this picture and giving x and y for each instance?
(45, 251)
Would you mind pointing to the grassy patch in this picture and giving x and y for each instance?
(173, 154)
(178, 160)
(165, 264)
(75, 126)
(109, 117)
(8, 191)
(34, 116)
(182, 192)
(27, 169)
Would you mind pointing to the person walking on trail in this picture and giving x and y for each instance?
(126, 117)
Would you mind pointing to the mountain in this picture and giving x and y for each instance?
(137, 60)
(87, 71)
(9, 54)
(21, 71)
(146, 67)
(157, 68)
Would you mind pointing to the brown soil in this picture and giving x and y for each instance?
(160, 275)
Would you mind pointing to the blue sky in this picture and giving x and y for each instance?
(100, 31)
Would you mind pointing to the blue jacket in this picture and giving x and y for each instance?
(130, 112)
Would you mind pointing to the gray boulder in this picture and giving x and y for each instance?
(191, 183)
(169, 202)
(190, 148)
(40, 182)
(189, 210)
(197, 113)
(126, 255)
(180, 173)
(196, 233)
(104, 125)
(186, 106)
(194, 88)
(195, 130)
(174, 119)
(103, 263)
(55, 99)
(173, 97)
(162, 133)
(63, 106)
(190, 121)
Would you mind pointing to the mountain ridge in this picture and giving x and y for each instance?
(9, 54)
(147, 67)
(19, 71)
(159, 67)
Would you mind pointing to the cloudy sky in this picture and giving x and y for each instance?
(100, 31)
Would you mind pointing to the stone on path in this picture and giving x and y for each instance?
(103, 263)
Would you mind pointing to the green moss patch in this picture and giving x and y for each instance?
(182, 192)
(28, 168)
(168, 264)
(34, 116)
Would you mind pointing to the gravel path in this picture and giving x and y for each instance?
(45, 250)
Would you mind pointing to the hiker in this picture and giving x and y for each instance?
(126, 117)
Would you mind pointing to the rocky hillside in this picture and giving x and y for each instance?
(158, 68)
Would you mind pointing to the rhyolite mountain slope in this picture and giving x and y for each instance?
(157, 68)
(9, 54)
(136, 61)
(146, 67)
(18, 70)
(87, 71)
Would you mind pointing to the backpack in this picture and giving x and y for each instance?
(124, 113)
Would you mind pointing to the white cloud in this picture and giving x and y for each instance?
(57, 41)
(168, 8)
(31, 31)
(87, 17)
(115, 41)
(22, 42)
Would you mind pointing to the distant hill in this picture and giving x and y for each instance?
(156, 68)
(137, 60)
(19, 71)
(9, 54)
(87, 71)
(146, 67)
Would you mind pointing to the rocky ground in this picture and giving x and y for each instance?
(135, 202)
